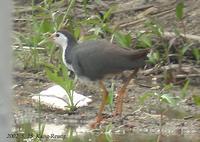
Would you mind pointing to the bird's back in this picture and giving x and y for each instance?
(95, 59)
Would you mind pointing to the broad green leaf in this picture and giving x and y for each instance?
(196, 99)
(169, 99)
(124, 40)
(196, 53)
(185, 48)
(59, 76)
(53, 76)
(179, 10)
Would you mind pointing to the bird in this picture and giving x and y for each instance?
(93, 60)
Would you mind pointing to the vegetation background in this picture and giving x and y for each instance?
(168, 87)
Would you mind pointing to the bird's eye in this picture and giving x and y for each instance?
(57, 35)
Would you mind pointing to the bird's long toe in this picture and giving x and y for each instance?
(96, 122)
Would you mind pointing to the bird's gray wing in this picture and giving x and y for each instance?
(96, 59)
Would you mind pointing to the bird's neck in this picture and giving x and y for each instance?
(67, 47)
(66, 53)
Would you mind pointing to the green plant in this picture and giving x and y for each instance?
(154, 28)
(108, 129)
(59, 75)
(181, 53)
(196, 99)
(154, 57)
(180, 14)
(144, 40)
(27, 133)
(179, 10)
(108, 132)
(69, 135)
(124, 40)
(41, 125)
(196, 53)
(164, 97)
(184, 90)
(45, 19)
(156, 31)
(32, 41)
(100, 25)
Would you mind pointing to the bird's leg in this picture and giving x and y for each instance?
(99, 117)
(121, 93)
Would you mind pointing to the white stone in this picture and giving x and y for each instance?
(53, 97)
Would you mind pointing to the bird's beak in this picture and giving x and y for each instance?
(51, 37)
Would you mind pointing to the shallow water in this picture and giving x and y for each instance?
(133, 138)
(62, 133)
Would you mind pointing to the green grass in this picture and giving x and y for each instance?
(59, 75)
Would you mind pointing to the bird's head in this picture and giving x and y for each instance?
(64, 39)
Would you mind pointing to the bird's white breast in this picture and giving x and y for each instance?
(69, 66)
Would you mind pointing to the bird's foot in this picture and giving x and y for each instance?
(117, 113)
(97, 121)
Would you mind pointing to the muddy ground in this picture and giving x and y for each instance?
(183, 119)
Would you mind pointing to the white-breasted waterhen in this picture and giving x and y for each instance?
(96, 59)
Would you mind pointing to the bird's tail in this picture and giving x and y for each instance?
(139, 57)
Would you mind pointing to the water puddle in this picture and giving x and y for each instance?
(62, 133)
